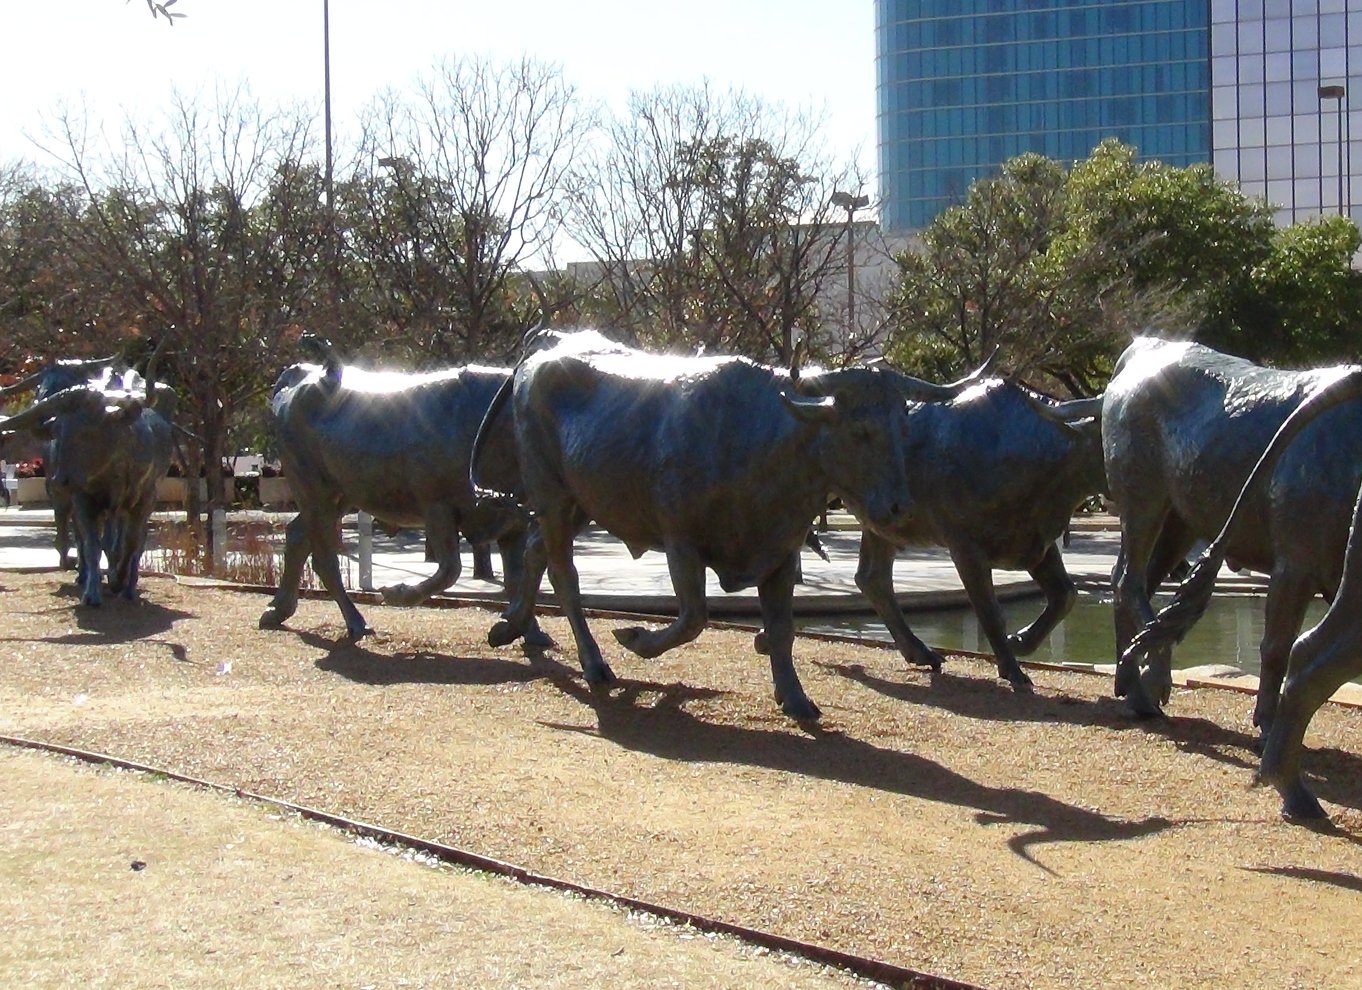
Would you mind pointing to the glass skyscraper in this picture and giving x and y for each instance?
(1257, 87)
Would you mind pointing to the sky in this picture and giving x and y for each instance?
(112, 59)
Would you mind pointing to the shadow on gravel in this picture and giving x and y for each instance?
(1336, 775)
(356, 663)
(1334, 878)
(651, 718)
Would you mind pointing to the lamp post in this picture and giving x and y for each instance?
(851, 204)
(1337, 92)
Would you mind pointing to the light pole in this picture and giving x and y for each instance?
(1336, 92)
(851, 204)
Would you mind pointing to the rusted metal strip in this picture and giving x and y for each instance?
(878, 970)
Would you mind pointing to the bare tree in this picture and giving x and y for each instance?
(476, 166)
(711, 222)
(210, 229)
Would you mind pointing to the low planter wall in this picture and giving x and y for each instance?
(275, 492)
(31, 491)
(176, 490)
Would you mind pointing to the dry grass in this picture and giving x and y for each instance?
(110, 879)
(942, 823)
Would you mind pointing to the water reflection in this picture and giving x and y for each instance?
(1228, 633)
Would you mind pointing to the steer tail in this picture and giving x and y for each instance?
(480, 492)
(495, 513)
(1176, 619)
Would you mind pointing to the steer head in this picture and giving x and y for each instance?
(861, 419)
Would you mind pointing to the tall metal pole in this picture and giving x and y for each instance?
(1341, 210)
(1335, 92)
(851, 204)
(333, 254)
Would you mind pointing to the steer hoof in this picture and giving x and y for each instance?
(800, 708)
(272, 618)
(638, 640)
(537, 639)
(401, 595)
(1299, 805)
(599, 673)
(931, 660)
(357, 633)
(1141, 705)
(762, 643)
(1156, 685)
(502, 633)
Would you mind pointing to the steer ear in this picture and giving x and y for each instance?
(812, 410)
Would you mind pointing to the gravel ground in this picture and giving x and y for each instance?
(941, 823)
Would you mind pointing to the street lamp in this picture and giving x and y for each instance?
(1334, 91)
(851, 204)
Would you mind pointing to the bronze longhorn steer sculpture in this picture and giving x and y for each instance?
(1327, 656)
(397, 446)
(1182, 427)
(719, 462)
(108, 444)
(47, 381)
(994, 474)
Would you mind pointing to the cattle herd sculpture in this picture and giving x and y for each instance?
(722, 463)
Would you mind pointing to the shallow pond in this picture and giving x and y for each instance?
(1228, 633)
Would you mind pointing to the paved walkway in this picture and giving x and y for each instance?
(611, 579)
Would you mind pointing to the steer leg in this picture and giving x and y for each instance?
(558, 528)
(322, 534)
(87, 533)
(875, 578)
(515, 567)
(976, 574)
(519, 612)
(126, 542)
(296, 548)
(1152, 541)
(776, 594)
(1284, 611)
(482, 562)
(688, 581)
(1060, 594)
(442, 546)
(61, 517)
(1322, 661)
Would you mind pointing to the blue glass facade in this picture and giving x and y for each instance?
(964, 85)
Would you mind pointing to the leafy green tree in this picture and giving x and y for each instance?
(996, 274)
(1059, 269)
(47, 299)
(1303, 302)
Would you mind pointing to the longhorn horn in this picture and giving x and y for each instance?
(545, 313)
(1069, 411)
(73, 364)
(920, 390)
(152, 395)
(54, 405)
(25, 385)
